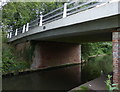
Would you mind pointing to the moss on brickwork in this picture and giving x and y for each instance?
(29, 52)
(26, 51)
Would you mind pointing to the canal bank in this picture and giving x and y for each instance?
(27, 71)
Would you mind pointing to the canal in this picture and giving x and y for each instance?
(64, 78)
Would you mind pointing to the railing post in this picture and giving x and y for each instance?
(65, 10)
(23, 31)
(41, 18)
(27, 28)
(16, 31)
(10, 34)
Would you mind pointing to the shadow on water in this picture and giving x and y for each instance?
(61, 78)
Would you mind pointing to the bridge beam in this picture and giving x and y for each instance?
(49, 54)
(116, 57)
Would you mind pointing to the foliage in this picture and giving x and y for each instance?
(16, 14)
(10, 61)
(92, 69)
(90, 49)
(4, 38)
(111, 87)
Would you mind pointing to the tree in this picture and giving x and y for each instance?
(16, 14)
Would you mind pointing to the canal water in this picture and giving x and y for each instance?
(64, 78)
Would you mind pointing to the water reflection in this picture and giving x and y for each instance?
(59, 79)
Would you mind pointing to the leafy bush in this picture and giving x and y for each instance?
(111, 87)
(93, 68)
(90, 49)
(10, 61)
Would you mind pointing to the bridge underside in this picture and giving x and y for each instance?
(91, 31)
(82, 38)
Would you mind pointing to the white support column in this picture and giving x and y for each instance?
(41, 18)
(16, 31)
(27, 28)
(65, 10)
(23, 31)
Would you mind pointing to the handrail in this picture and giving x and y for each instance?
(52, 20)
(52, 11)
(80, 5)
(82, 9)
(72, 2)
(54, 15)
(34, 20)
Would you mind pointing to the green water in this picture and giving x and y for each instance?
(64, 78)
(96, 67)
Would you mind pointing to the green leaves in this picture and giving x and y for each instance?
(90, 49)
(10, 62)
(16, 14)
(111, 87)
(95, 67)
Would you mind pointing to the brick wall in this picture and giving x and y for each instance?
(51, 54)
(116, 57)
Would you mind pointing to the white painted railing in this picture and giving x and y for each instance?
(66, 10)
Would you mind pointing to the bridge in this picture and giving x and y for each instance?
(56, 36)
